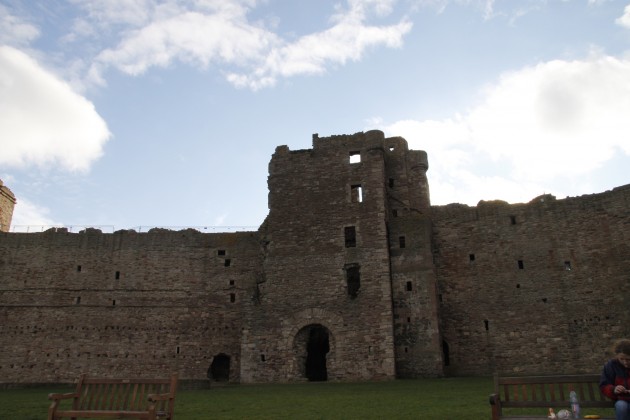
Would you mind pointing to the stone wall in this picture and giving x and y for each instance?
(533, 288)
(7, 203)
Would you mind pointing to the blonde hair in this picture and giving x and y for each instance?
(621, 346)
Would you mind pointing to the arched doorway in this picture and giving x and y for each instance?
(219, 369)
(312, 344)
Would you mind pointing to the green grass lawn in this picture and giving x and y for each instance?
(439, 399)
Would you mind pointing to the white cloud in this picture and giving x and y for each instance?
(220, 32)
(542, 128)
(14, 31)
(624, 20)
(42, 120)
(31, 217)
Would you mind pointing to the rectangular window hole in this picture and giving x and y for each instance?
(262, 358)
(350, 234)
(114, 302)
(78, 268)
(221, 252)
(356, 193)
(408, 320)
(77, 300)
(409, 286)
(401, 241)
(486, 324)
(567, 265)
(513, 220)
(521, 265)
(355, 157)
(227, 262)
(231, 282)
(232, 297)
(177, 350)
(471, 257)
(395, 213)
(391, 182)
(117, 275)
(353, 279)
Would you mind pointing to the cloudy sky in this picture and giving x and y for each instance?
(136, 113)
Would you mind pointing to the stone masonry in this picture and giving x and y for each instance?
(352, 276)
(7, 202)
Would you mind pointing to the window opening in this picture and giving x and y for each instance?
(227, 262)
(221, 252)
(395, 213)
(409, 286)
(78, 268)
(231, 282)
(445, 353)
(391, 182)
(232, 297)
(513, 220)
(353, 279)
(486, 324)
(350, 234)
(355, 157)
(356, 193)
(567, 265)
(78, 300)
(391, 148)
(521, 265)
(471, 257)
(401, 241)
(177, 350)
(262, 357)
(114, 302)
(117, 275)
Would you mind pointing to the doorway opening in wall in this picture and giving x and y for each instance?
(312, 344)
(219, 370)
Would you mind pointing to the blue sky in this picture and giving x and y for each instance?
(140, 113)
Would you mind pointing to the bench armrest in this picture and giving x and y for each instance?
(494, 399)
(159, 397)
(62, 396)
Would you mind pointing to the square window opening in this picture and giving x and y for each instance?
(355, 157)
(227, 262)
(221, 252)
(471, 257)
(567, 265)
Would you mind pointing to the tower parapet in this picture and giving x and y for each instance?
(7, 203)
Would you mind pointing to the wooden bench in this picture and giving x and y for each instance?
(116, 398)
(544, 392)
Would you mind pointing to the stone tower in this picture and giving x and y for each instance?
(7, 203)
(349, 289)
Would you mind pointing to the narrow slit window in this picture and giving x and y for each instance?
(262, 358)
(353, 279)
(409, 286)
(114, 302)
(471, 257)
(78, 268)
(355, 157)
(486, 324)
(350, 234)
(78, 300)
(401, 241)
(521, 265)
(356, 193)
(117, 275)
(391, 182)
(513, 220)
(232, 297)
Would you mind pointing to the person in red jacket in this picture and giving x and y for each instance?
(615, 379)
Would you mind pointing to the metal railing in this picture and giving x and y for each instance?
(139, 229)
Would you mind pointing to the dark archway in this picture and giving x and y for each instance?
(317, 347)
(219, 370)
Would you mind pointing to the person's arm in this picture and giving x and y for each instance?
(607, 381)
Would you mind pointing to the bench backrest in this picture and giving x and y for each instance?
(123, 394)
(550, 391)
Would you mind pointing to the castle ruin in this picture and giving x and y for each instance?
(352, 276)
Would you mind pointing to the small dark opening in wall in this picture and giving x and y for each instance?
(78, 268)
(518, 285)
(117, 275)
(486, 324)
(221, 252)
(513, 220)
(395, 213)
(114, 302)
(231, 282)
(78, 300)
(350, 234)
(262, 357)
(356, 193)
(406, 350)
(391, 182)
(445, 353)
(227, 262)
(471, 257)
(521, 265)
(353, 279)
(232, 297)
(567, 265)
(177, 350)
(440, 297)
(355, 157)
(409, 286)
(401, 241)
(408, 320)
(544, 300)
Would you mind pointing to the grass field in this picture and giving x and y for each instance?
(439, 399)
